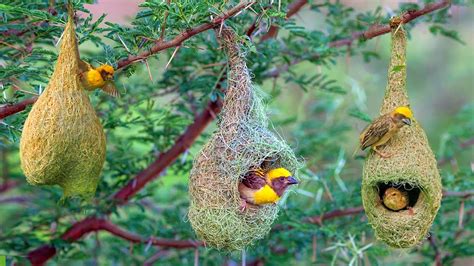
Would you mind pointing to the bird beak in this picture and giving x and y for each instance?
(407, 121)
(292, 181)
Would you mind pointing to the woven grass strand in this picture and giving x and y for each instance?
(412, 163)
(63, 142)
(241, 142)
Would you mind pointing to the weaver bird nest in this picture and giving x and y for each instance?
(241, 142)
(63, 142)
(412, 167)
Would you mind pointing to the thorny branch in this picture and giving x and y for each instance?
(373, 31)
(79, 229)
(93, 224)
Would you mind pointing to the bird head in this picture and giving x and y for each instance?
(402, 115)
(106, 71)
(279, 179)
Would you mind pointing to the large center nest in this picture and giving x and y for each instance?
(241, 143)
(412, 168)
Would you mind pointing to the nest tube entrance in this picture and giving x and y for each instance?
(242, 142)
(412, 168)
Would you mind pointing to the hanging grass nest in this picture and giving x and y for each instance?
(63, 142)
(412, 167)
(242, 142)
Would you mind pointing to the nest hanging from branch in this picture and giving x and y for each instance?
(412, 167)
(242, 142)
(63, 142)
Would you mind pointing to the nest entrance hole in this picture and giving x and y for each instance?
(412, 191)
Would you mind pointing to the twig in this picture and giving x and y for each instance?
(10, 109)
(438, 260)
(183, 36)
(373, 31)
(293, 8)
(92, 224)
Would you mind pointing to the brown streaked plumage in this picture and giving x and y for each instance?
(383, 128)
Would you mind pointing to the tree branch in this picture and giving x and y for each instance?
(293, 8)
(77, 230)
(10, 109)
(93, 224)
(373, 31)
(159, 46)
(183, 36)
(167, 158)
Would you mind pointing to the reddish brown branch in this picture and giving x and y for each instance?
(333, 214)
(293, 8)
(372, 32)
(83, 227)
(10, 109)
(437, 258)
(7, 185)
(167, 158)
(180, 38)
(377, 30)
(92, 224)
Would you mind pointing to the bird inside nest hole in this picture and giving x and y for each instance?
(398, 196)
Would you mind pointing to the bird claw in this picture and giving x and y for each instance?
(411, 211)
(243, 205)
(383, 155)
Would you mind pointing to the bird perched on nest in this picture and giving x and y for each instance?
(101, 77)
(258, 187)
(383, 128)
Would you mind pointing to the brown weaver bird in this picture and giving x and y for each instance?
(383, 128)
(258, 187)
(101, 77)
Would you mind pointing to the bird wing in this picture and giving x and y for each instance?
(84, 66)
(374, 131)
(110, 89)
(253, 180)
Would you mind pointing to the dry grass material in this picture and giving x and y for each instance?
(63, 142)
(412, 166)
(241, 142)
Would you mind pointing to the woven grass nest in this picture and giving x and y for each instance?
(241, 142)
(63, 142)
(412, 166)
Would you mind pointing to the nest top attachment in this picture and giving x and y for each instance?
(242, 142)
(412, 168)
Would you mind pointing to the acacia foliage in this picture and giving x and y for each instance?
(151, 114)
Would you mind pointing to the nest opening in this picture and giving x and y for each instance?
(413, 192)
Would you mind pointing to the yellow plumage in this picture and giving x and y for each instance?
(394, 199)
(259, 187)
(265, 195)
(98, 78)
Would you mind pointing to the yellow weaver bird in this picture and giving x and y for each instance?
(101, 77)
(258, 187)
(385, 127)
(394, 199)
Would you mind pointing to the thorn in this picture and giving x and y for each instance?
(123, 43)
(148, 68)
(172, 56)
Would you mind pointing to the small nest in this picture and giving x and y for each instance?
(411, 168)
(242, 142)
(63, 142)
